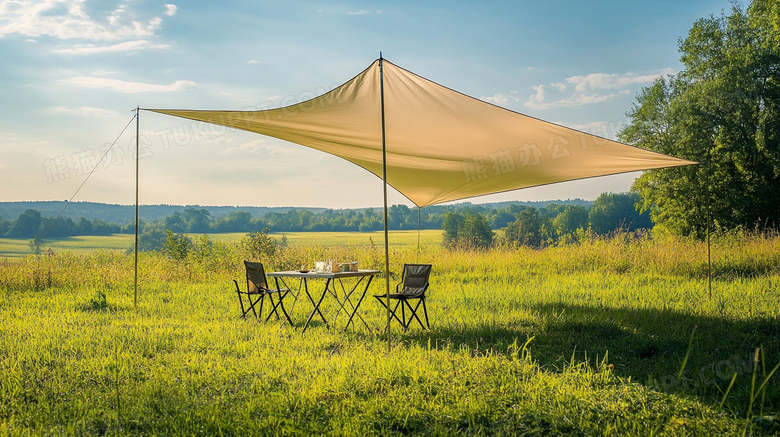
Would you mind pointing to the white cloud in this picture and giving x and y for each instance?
(30, 40)
(587, 89)
(66, 19)
(360, 12)
(126, 87)
(253, 61)
(500, 99)
(613, 81)
(170, 9)
(104, 72)
(84, 111)
(121, 47)
(536, 99)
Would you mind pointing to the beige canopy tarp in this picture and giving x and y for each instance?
(441, 145)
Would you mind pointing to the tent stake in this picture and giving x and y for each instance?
(137, 160)
(384, 185)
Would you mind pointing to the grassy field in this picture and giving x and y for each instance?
(19, 247)
(397, 238)
(607, 337)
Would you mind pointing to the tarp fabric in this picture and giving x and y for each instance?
(441, 145)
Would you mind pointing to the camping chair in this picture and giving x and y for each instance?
(256, 291)
(415, 283)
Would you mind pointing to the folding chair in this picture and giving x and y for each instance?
(256, 291)
(415, 283)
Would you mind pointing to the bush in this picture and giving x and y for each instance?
(259, 244)
(151, 240)
(177, 246)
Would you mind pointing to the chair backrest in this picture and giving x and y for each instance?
(255, 276)
(415, 279)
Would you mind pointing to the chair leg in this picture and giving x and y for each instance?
(272, 310)
(414, 312)
(241, 303)
(425, 311)
(403, 303)
(244, 310)
(392, 312)
(281, 303)
(276, 306)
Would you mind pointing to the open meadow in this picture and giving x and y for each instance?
(120, 243)
(78, 245)
(611, 336)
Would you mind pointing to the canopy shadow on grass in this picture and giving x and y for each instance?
(646, 345)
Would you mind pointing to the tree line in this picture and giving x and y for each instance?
(539, 227)
(611, 211)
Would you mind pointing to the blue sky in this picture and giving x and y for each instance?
(71, 72)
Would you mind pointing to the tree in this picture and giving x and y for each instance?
(501, 218)
(723, 110)
(570, 219)
(84, 226)
(451, 224)
(476, 232)
(175, 222)
(530, 228)
(466, 231)
(613, 211)
(198, 220)
(397, 216)
(26, 225)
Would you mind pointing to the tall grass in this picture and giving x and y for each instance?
(610, 322)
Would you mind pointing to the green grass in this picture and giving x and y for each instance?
(19, 247)
(83, 245)
(605, 325)
(397, 238)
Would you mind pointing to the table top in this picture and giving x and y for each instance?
(314, 275)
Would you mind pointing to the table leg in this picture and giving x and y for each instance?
(354, 311)
(335, 294)
(296, 295)
(317, 307)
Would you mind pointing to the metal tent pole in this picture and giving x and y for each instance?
(384, 185)
(709, 219)
(137, 160)
(418, 234)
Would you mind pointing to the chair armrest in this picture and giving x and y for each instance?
(398, 285)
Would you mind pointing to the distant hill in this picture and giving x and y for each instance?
(125, 213)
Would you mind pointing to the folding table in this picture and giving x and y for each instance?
(332, 283)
